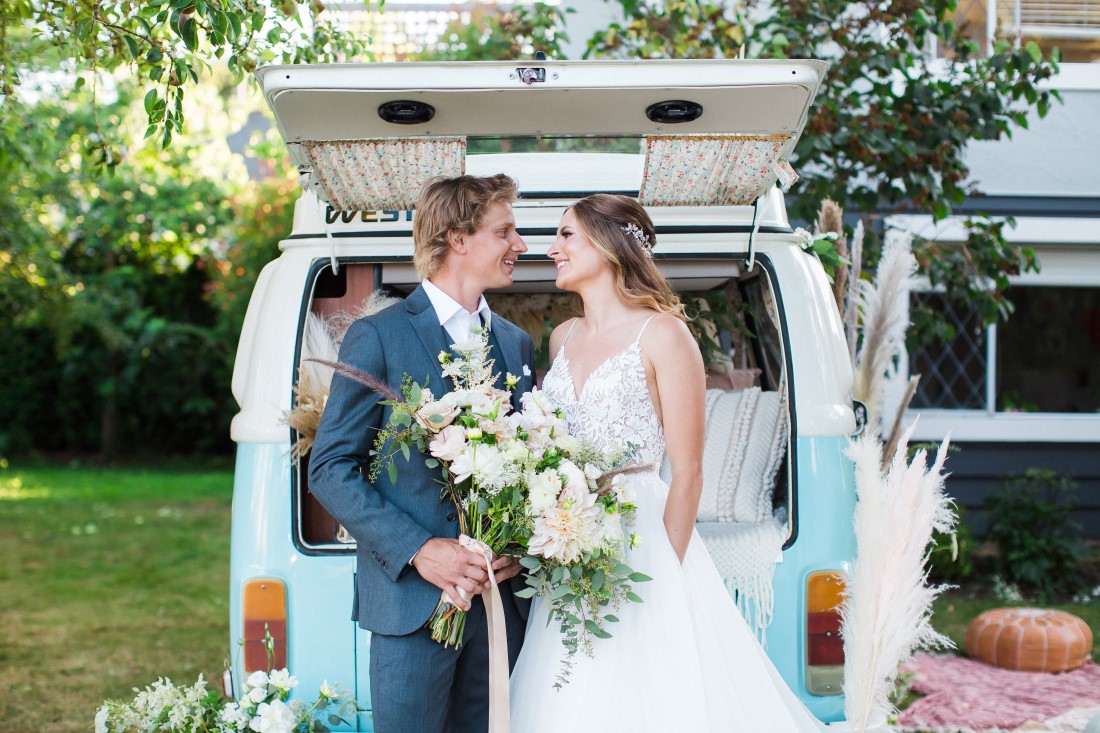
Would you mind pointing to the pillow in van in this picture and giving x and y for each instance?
(746, 440)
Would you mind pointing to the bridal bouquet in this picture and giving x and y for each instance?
(580, 510)
(263, 707)
(523, 486)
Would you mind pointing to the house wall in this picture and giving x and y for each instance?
(979, 470)
(1058, 155)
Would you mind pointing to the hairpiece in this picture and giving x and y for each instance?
(641, 237)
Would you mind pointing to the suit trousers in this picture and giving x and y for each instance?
(419, 686)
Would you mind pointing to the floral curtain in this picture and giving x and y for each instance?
(383, 174)
(712, 170)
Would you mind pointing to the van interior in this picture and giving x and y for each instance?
(736, 316)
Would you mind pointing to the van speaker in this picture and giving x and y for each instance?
(674, 111)
(406, 112)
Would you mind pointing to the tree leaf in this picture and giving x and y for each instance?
(524, 593)
(132, 46)
(84, 28)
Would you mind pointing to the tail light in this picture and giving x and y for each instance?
(263, 606)
(824, 644)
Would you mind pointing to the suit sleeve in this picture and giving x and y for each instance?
(349, 426)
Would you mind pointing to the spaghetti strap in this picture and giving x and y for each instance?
(569, 333)
(639, 338)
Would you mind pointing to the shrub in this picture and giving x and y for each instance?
(949, 557)
(1039, 543)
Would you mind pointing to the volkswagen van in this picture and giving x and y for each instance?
(704, 145)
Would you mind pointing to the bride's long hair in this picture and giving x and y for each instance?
(620, 228)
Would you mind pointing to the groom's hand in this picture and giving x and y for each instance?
(504, 568)
(451, 567)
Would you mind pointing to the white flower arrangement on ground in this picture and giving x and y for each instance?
(264, 707)
(523, 486)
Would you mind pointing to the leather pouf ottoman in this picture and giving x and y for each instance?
(1029, 639)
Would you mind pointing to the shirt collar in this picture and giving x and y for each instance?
(447, 307)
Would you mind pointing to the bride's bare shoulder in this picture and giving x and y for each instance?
(665, 329)
(668, 337)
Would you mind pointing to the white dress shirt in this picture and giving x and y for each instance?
(456, 320)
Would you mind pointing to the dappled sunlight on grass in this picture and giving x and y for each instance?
(110, 578)
(12, 489)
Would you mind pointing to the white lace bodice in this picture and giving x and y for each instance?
(613, 407)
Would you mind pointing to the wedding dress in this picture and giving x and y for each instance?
(684, 659)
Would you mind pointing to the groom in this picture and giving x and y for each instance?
(465, 242)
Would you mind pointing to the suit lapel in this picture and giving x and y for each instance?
(426, 324)
(509, 347)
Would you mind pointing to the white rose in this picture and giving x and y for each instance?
(327, 691)
(483, 462)
(448, 444)
(276, 717)
(282, 680)
(514, 451)
(257, 694)
(575, 482)
(543, 490)
(537, 401)
(257, 679)
(566, 442)
(436, 415)
(622, 490)
(611, 526)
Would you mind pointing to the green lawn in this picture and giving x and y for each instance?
(108, 578)
(956, 608)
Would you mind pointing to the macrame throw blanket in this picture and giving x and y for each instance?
(745, 556)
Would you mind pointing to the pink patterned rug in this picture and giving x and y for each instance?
(967, 695)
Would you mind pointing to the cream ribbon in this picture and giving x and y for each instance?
(499, 721)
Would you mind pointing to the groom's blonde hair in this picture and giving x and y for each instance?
(453, 205)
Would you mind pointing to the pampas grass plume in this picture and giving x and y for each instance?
(886, 614)
(884, 311)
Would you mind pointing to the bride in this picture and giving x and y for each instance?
(629, 370)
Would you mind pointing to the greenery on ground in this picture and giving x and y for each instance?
(109, 579)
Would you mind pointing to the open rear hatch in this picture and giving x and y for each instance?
(367, 136)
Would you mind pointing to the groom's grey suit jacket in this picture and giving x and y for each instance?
(391, 521)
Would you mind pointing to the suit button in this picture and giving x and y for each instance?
(451, 516)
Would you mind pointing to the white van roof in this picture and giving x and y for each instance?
(490, 98)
